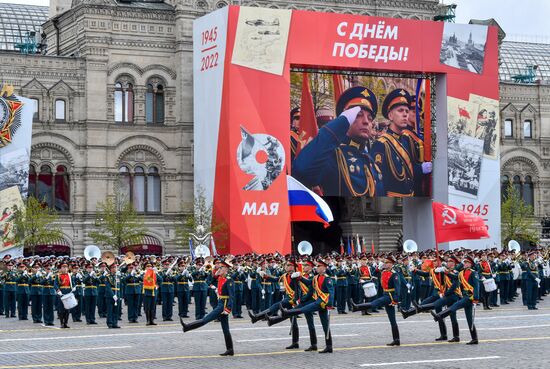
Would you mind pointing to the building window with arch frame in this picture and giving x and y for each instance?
(154, 102)
(124, 102)
(508, 128)
(50, 187)
(60, 110)
(142, 187)
(35, 109)
(527, 128)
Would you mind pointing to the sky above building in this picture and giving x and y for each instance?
(525, 20)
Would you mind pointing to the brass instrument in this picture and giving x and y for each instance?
(129, 258)
(108, 257)
(208, 263)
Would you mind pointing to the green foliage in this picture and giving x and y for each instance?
(34, 225)
(517, 221)
(117, 222)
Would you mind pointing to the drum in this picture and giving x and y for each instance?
(490, 285)
(369, 289)
(69, 301)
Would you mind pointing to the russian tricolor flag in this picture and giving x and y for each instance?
(306, 205)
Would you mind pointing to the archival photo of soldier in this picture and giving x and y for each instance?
(463, 46)
(360, 135)
(487, 125)
(14, 170)
(461, 117)
(465, 156)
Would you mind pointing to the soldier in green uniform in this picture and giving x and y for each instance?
(76, 312)
(48, 295)
(199, 275)
(101, 307)
(341, 274)
(90, 281)
(10, 289)
(22, 292)
(36, 293)
(532, 281)
(167, 292)
(239, 279)
(113, 296)
(182, 289)
(132, 290)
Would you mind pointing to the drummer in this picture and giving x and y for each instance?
(62, 285)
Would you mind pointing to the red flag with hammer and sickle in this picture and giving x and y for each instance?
(453, 224)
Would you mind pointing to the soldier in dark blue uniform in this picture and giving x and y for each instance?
(199, 288)
(76, 276)
(469, 286)
(239, 278)
(393, 154)
(323, 301)
(10, 289)
(337, 159)
(341, 274)
(222, 310)
(36, 293)
(532, 281)
(113, 296)
(389, 280)
(90, 282)
(101, 307)
(22, 292)
(167, 292)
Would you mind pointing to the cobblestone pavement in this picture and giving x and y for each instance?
(510, 337)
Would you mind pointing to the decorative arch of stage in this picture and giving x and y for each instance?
(242, 61)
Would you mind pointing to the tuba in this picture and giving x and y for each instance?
(108, 257)
(91, 252)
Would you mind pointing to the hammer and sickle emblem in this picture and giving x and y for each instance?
(449, 216)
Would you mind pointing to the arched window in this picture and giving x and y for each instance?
(125, 181)
(154, 103)
(517, 184)
(49, 187)
(142, 188)
(60, 110)
(504, 183)
(124, 102)
(35, 110)
(528, 195)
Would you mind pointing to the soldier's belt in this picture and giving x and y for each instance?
(389, 290)
(132, 284)
(47, 286)
(252, 279)
(23, 285)
(223, 297)
(408, 277)
(36, 285)
(102, 285)
(167, 282)
(238, 281)
(11, 283)
(199, 281)
(115, 289)
(183, 282)
(503, 272)
(342, 278)
(266, 282)
(90, 287)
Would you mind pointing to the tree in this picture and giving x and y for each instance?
(34, 225)
(202, 214)
(517, 221)
(117, 222)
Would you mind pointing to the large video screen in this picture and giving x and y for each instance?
(356, 135)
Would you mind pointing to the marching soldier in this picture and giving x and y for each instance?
(182, 289)
(399, 169)
(36, 293)
(48, 295)
(10, 289)
(101, 303)
(132, 290)
(76, 312)
(337, 159)
(150, 283)
(113, 296)
(532, 281)
(167, 291)
(469, 287)
(23, 292)
(90, 281)
(222, 310)
(239, 279)
(63, 286)
(323, 300)
(389, 280)
(341, 275)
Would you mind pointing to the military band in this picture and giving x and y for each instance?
(279, 287)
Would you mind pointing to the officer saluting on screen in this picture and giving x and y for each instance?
(338, 159)
(395, 159)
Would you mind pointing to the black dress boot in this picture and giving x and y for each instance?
(395, 335)
(313, 341)
(272, 320)
(328, 347)
(256, 317)
(442, 315)
(228, 345)
(408, 313)
(287, 313)
(360, 307)
(456, 333)
(443, 331)
(293, 346)
(473, 333)
(194, 325)
(425, 307)
(152, 318)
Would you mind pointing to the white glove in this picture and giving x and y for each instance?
(261, 273)
(427, 167)
(25, 273)
(258, 270)
(225, 313)
(118, 273)
(362, 281)
(493, 275)
(439, 269)
(133, 272)
(201, 269)
(538, 280)
(115, 298)
(295, 275)
(92, 273)
(73, 289)
(59, 293)
(213, 287)
(78, 275)
(351, 114)
(240, 269)
(408, 286)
